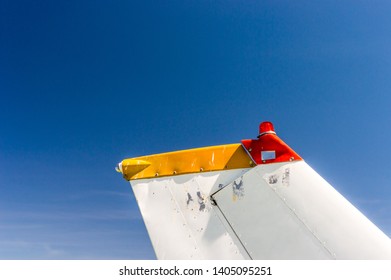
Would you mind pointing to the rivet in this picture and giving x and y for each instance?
(156, 174)
(201, 169)
(174, 172)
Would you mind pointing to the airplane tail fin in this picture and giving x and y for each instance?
(254, 200)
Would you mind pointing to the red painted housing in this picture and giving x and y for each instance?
(269, 148)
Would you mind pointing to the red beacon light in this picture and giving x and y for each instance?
(269, 148)
(266, 128)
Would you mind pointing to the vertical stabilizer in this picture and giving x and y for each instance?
(254, 200)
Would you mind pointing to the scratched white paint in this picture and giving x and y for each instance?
(180, 219)
(271, 211)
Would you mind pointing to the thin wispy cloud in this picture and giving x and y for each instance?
(59, 216)
(100, 193)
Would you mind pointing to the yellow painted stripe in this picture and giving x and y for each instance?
(205, 159)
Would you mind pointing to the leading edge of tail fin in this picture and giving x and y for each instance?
(254, 200)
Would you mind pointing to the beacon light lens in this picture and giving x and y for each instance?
(266, 127)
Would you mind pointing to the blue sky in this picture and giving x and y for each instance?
(85, 84)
